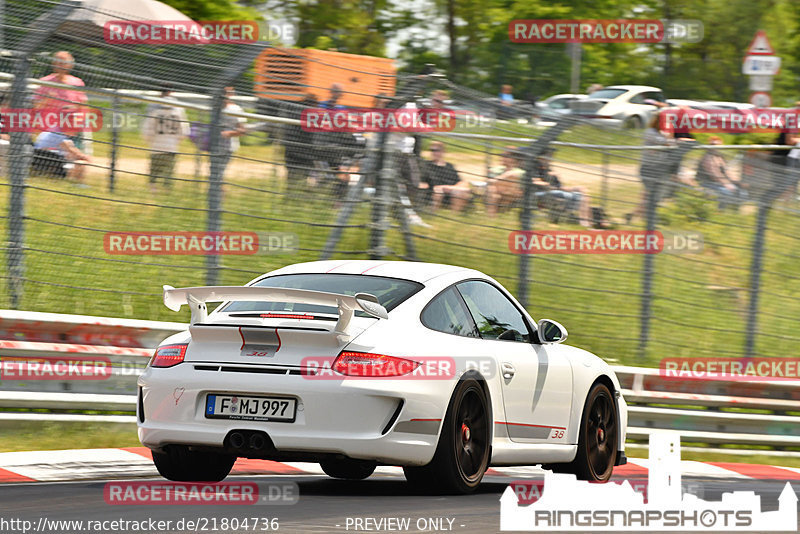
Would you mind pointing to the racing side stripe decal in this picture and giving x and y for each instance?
(526, 431)
(418, 426)
(374, 266)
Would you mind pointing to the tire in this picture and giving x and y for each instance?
(462, 454)
(182, 465)
(597, 437)
(348, 469)
(633, 123)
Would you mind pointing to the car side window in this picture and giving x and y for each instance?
(639, 99)
(495, 315)
(446, 313)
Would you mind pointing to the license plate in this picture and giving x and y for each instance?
(247, 408)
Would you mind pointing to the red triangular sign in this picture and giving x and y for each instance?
(760, 45)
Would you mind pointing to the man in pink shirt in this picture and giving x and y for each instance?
(56, 98)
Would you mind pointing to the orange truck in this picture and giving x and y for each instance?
(289, 74)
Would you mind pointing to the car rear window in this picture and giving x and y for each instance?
(391, 292)
(606, 93)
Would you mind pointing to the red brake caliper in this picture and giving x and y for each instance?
(464, 432)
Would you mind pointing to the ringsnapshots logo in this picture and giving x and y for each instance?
(200, 493)
(604, 242)
(189, 32)
(563, 503)
(366, 120)
(199, 243)
(541, 31)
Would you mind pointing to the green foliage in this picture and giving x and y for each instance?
(214, 10)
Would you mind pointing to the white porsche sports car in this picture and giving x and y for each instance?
(357, 363)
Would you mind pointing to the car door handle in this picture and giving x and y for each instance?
(508, 371)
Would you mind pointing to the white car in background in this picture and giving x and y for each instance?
(246, 380)
(556, 105)
(620, 106)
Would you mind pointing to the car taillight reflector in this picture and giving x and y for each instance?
(285, 316)
(168, 355)
(366, 364)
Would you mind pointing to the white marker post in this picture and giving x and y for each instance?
(761, 65)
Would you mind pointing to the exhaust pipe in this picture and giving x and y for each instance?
(257, 441)
(237, 440)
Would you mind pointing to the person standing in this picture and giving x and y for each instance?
(232, 127)
(653, 171)
(163, 129)
(506, 98)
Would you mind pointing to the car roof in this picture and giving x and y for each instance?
(633, 87)
(408, 270)
(564, 95)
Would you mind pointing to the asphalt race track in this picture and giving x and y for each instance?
(324, 505)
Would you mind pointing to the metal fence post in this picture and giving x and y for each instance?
(751, 327)
(19, 151)
(654, 187)
(778, 179)
(604, 183)
(537, 149)
(219, 157)
(652, 191)
(383, 182)
(114, 142)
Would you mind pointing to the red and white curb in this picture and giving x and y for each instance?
(136, 462)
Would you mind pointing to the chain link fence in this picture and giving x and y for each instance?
(208, 138)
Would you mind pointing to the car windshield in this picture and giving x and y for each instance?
(389, 291)
(607, 93)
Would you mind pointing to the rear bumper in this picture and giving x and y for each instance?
(355, 418)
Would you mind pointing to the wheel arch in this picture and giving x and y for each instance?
(583, 384)
(619, 403)
(478, 377)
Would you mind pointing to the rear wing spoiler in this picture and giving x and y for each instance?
(196, 298)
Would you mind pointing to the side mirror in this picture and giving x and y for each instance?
(550, 331)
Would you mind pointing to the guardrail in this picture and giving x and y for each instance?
(731, 416)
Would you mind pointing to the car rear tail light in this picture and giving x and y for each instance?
(372, 365)
(168, 355)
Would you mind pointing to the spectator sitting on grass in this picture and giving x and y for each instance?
(505, 182)
(712, 175)
(55, 153)
(442, 180)
(549, 185)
